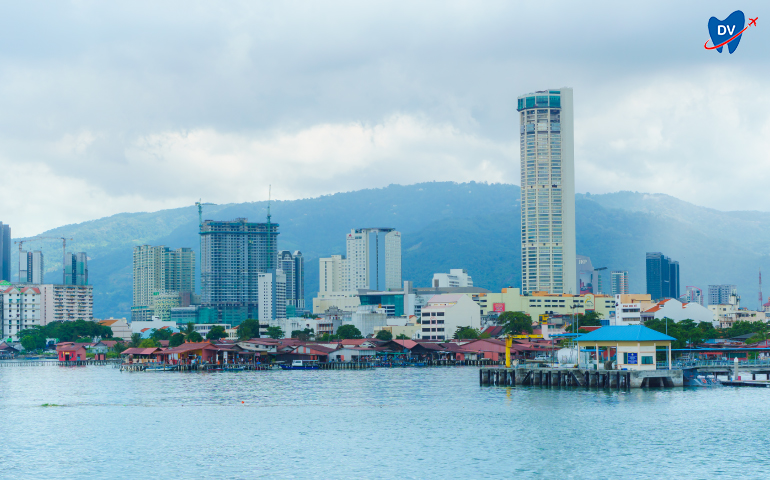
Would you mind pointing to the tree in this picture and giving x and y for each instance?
(327, 338)
(686, 332)
(33, 341)
(189, 329)
(249, 328)
(466, 333)
(216, 332)
(346, 332)
(119, 347)
(194, 337)
(384, 335)
(136, 339)
(176, 340)
(302, 335)
(515, 323)
(148, 343)
(401, 336)
(274, 332)
(590, 319)
(161, 334)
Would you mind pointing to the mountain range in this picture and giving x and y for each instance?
(444, 225)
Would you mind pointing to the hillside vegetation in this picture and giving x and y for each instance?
(444, 225)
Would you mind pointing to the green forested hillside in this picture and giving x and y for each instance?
(444, 225)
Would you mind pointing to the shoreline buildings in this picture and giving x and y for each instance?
(548, 256)
(25, 306)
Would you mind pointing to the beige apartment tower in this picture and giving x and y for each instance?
(548, 262)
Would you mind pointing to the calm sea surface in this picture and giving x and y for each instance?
(385, 423)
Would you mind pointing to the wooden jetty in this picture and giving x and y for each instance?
(579, 377)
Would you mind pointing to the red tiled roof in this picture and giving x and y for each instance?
(189, 347)
(140, 351)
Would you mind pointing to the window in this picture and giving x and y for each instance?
(647, 360)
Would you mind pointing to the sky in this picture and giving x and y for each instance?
(109, 107)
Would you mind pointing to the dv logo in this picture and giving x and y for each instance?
(728, 31)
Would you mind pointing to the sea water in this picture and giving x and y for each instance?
(98, 422)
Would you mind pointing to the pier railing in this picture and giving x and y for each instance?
(759, 362)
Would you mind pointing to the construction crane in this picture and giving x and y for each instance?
(200, 205)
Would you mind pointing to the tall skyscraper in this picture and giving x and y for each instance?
(272, 295)
(31, 267)
(76, 269)
(722, 294)
(619, 282)
(374, 259)
(293, 266)
(662, 276)
(5, 252)
(548, 256)
(233, 254)
(159, 271)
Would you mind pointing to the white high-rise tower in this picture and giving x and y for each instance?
(547, 192)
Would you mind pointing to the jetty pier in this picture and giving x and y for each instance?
(580, 377)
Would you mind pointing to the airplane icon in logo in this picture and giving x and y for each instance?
(753, 21)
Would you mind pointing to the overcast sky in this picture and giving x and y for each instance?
(107, 107)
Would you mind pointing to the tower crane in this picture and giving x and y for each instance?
(200, 205)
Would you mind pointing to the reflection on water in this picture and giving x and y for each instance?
(385, 423)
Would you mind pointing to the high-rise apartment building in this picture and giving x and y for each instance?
(233, 254)
(158, 273)
(272, 295)
(662, 276)
(67, 303)
(692, 295)
(293, 266)
(333, 274)
(31, 267)
(722, 294)
(21, 308)
(5, 252)
(374, 259)
(76, 269)
(547, 192)
(619, 282)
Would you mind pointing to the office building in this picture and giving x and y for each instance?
(723, 294)
(21, 308)
(293, 266)
(5, 252)
(76, 269)
(585, 275)
(233, 254)
(692, 295)
(161, 273)
(548, 255)
(619, 282)
(662, 276)
(456, 278)
(444, 314)
(31, 267)
(542, 303)
(374, 258)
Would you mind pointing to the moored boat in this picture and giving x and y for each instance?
(302, 365)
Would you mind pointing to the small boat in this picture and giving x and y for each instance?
(302, 365)
(160, 368)
(233, 368)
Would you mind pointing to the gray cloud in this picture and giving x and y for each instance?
(146, 105)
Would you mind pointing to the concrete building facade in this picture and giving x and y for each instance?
(548, 256)
(159, 270)
(543, 303)
(31, 267)
(456, 278)
(67, 303)
(21, 308)
(272, 295)
(444, 314)
(374, 259)
(723, 294)
(619, 282)
(293, 266)
(233, 255)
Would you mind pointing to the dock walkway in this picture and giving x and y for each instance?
(579, 377)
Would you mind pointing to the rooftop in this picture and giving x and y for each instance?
(629, 333)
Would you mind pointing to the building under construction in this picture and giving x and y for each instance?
(233, 254)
